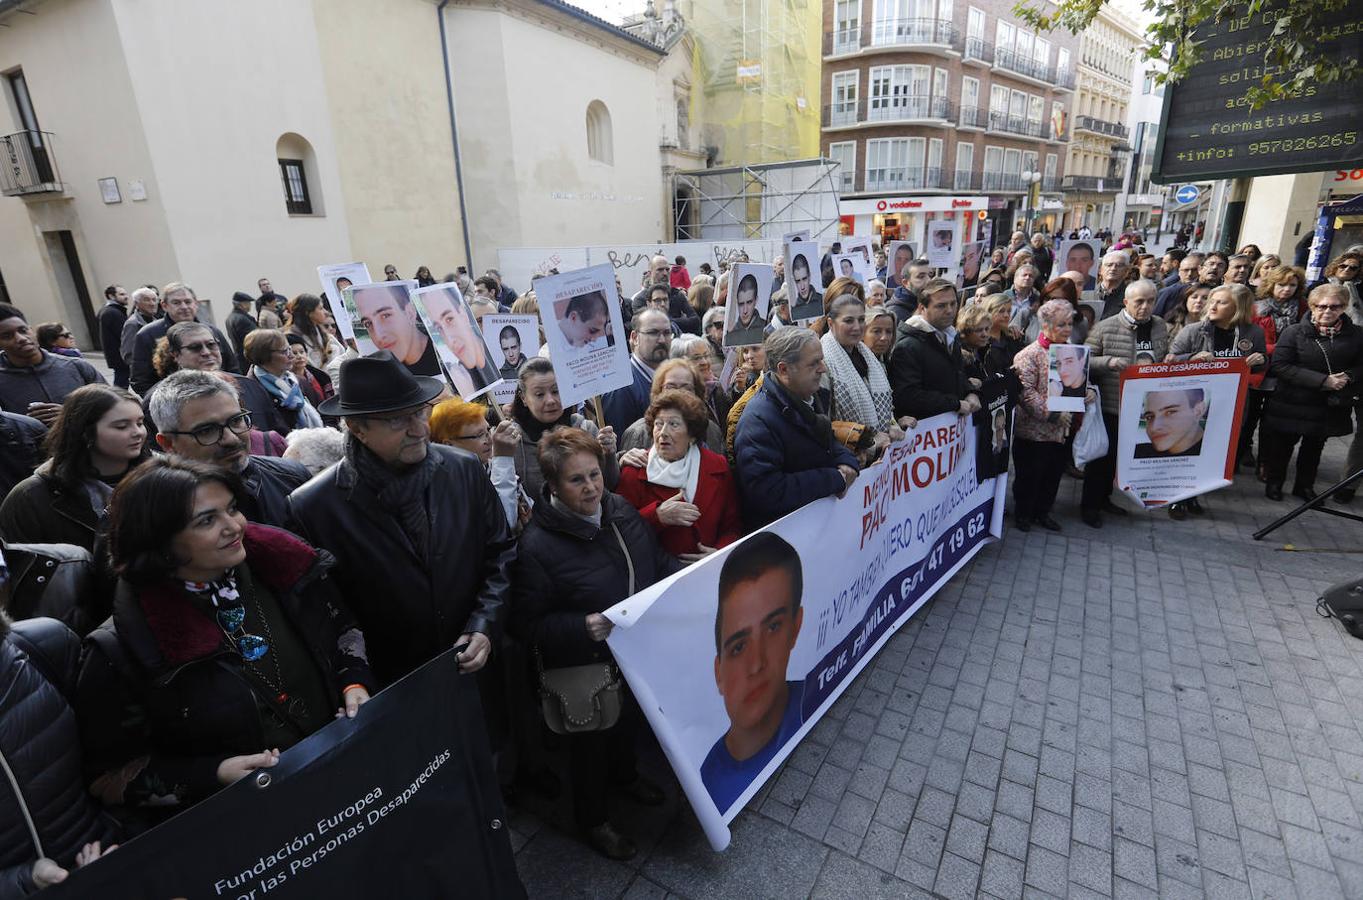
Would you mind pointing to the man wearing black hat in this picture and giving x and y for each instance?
(240, 322)
(419, 534)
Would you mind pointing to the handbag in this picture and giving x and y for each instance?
(850, 434)
(580, 699)
(1090, 442)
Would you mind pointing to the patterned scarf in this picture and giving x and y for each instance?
(1283, 314)
(1327, 331)
(403, 494)
(865, 400)
(284, 388)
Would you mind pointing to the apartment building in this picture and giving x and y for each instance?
(935, 108)
(1140, 203)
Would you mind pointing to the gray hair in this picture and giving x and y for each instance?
(1035, 270)
(476, 300)
(1055, 312)
(713, 314)
(315, 448)
(143, 293)
(785, 344)
(682, 344)
(176, 287)
(1144, 284)
(1114, 255)
(873, 284)
(179, 388)
(1244, 256)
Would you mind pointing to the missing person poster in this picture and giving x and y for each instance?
(510, 341)
(582, 327)
(861, 246)
(993, 429)
(968, 276)
(409, 781)
(802, 280)
(901, 254)
(851, 265)
(458, 339)
(745, 316)
(1178, 428)
(734, 659)
(335, 279)
(942, 252)
(1067, 377)
(1080, 255)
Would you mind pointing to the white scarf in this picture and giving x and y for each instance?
(853, 398)
(683, 474)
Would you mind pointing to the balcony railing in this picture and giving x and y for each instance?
(1101, 126)
(1002, 123)
(1050, 184)
(971, 117)
(909, 108)
(905, 179)
(891, 32)
(1002, 182)
(841, 114)
(847, 40)
(1092, 183)
(978, 49)
(27, 165)
(1064, 79)
(1023, 65)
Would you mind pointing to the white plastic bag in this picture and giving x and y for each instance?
(1091, 441)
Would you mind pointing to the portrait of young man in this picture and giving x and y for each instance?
(513, 357)
(1173, 422)
(1080, 257)
(1071, 368)
(748, 326)
(585, 322)
(807, 302)
(386, 312)
(757, 622)
(470, 369)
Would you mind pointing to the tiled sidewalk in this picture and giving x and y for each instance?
(1152, 709)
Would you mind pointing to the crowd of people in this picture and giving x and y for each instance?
(251, 532)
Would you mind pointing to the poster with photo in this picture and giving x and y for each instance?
(901, 253)
(458, 339)
(581, 321)
(972, 256)
(1067, 377)
(335, 279)
(795, 237)
(510, 341)
(993, 429)
(942, 252)
(745, 315)
(1082, 256)
(384, 317)
(851, 265)
(1177, 429)
(861, 246)
(802, 280)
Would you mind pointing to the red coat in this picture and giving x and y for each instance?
(719, 524)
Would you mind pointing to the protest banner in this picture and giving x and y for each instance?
(745, 317)
(1080, 255)
(510, 341)
(814, 596)
(942, 244)
(968, 275)
(586, 338)
(802, 280)
(1178, 428)
(1067, 377)
(335, 278)
(458, 340)
(851, 265)
(520, 266)
(901, 254)
(400, 801)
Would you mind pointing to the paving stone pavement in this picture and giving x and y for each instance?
(1152, 709)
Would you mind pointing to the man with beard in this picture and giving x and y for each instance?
(200, 417)
(650, 339)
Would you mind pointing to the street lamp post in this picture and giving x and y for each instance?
(1030, 183)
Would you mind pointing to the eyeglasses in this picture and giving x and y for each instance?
(209, 434)
(476, 436)
(403, 421)
(652, 332)
(200, 347)
(1328, 307)
(232, 620)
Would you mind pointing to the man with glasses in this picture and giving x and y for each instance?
(650, 339)
(181, 305)
(1188, 268)
(678, 309)
(419, 534)
(200, 417)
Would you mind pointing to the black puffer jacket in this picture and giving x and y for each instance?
(41, 748)
(54, 580)
(567, 567)
(1301, 361)
(42, 510)
(927, 377)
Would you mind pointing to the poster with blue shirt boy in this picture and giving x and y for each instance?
(757, 621)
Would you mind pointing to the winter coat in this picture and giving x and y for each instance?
(50, 381)
(1199, 336)
(1034, 422)
(637, 436)
(112, 317)
(567, 568)
(1301, 361)
(55, 581)
(21, 448)
(413, 609)
(240, 324)
(144, 348)
(927, 376)
(720, 522)
(161, 681)
(40, 746)
(42, 510)
(678, 308)
(128, 339)
(782, 464)
(528, 459)
(268, 481)
(1115, 338)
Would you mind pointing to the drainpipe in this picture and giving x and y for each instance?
(454, 134)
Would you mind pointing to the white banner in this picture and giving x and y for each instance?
(510, 340)
(734, 659)
(335, 279)
(519, 265)
(1178, 428)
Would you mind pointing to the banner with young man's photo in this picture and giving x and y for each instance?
(335, 279)
(1178, 429)
(586, 337)
(510, 341)
(734, 659)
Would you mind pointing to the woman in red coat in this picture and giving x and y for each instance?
(684, 490)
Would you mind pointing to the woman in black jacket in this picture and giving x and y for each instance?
(1318, 364)
(584, 550)
(227, 643)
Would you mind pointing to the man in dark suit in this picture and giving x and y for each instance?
(112, 317)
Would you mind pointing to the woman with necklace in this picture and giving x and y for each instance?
(227, 644)
(98, 436)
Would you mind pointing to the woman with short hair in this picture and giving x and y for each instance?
(459, 423)
(696, 349)
(267, 350)
(537, 409)
(98, 438)
(308, 319)
(1346, 270)
(671, 375)
(315, 383)
(879, 332)
(584, 550)
(227, 643)
(54, 337)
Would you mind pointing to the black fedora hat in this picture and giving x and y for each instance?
(378, 383)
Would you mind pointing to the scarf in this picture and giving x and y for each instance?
(1043, 341)
(683, 474)
(865, 400)
(1327, 331)
(1283, 314)
(286, 391)
(562, 507)
(532, 427)
(403, 494)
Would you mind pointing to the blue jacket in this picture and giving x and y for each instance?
(782, 463)
(624, 406)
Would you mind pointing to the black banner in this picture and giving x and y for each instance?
(400, 801)
(1208, 130)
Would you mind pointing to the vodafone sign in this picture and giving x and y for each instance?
(892, 205)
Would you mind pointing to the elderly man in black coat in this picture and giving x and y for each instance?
(419, 534)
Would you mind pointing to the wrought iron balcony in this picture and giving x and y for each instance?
(1026, 66)
(925, 32)
(1101, 126)
(27, 165)
(909, 108)
(1092, 183)
(847, 40)
(978, 50)
(1002, 123)
(913, 178)
(971, 117)
(840, 115)
(1050, 184)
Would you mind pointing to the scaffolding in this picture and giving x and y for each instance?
(757, 201)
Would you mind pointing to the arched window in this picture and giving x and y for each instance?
(298, 175)
(600, 141)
